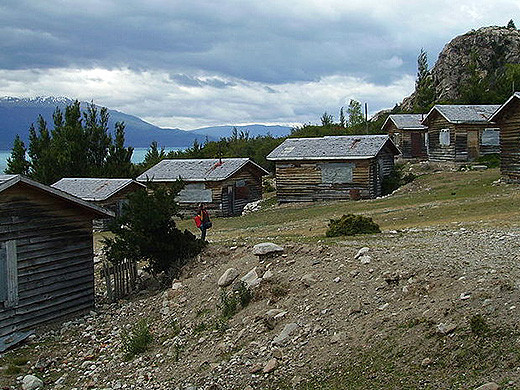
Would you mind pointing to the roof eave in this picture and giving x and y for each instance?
(503, 106)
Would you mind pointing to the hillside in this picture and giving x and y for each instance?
(483, 54)
(16, 116)
(432, 306)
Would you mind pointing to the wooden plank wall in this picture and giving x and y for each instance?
(54, 251)
(510, 143)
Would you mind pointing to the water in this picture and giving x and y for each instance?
(137, 156)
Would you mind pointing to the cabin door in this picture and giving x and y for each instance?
(230, 200)
(472, 145)
(416, 144)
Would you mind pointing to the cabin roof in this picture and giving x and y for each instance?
(196, 169)
(499, 112)
(93, 189)
(406, 121)
(332, 148)
(8, 181)
(455, 113)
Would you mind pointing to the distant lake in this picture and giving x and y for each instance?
(137, 156)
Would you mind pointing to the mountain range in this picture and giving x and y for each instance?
(17, 114)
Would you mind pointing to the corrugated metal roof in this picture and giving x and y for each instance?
(196, 169)
(464, 113)
(407, 121)
(7, 181)
(516, 95)
(331, 148)
(93, 189)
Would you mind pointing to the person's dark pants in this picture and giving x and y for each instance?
(203, 234)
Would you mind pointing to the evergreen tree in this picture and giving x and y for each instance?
(327, 119)
(153, 156)
(17, 163)
(119, 159)
(355, 113)
(511, 24)
(424, 89)
(342, 122)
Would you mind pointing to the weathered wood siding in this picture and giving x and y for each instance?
(509, 123)
(301, 181)
(465, 141)
(54, 256)
(403, 140)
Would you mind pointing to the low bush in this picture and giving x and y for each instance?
(228, 304)
(350, 225)
(245, 295)
(490, 160)
(136, 340)
(396, 179)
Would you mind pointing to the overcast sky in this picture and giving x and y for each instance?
(195, 63)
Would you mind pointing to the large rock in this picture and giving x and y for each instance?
(31, 382)
(266, 249)
(284, 335)
(228, 277)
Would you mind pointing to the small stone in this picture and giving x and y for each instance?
(308, 280)
(337, 338)
(446, 328)
(268, 275)
(270, 366)
(465, 296)
(251, 278)
(426, 362)
(365, 259)
(488, 386)
(361, 252)
(267, 248)
(337, 280)
(255, 368)
(277, 353)
(30, 382)
(228, 277)
(284, 335)
(176, 285)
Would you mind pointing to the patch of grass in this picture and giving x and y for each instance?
(478, 325)
(13, 370)
(245, 295)
(136, 340)
(176, 327)
(200, 328)
(228, 304)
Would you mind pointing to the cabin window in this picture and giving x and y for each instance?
(195, 193)
(336, 173)
(490, 137)
(241, 190)
(8, 274)
(444, 137)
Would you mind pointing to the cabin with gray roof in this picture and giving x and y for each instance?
(224, 185)
(46, 255)
(110, 194)
(461, 133)
(332, 168)
(408, 134)
(507, 117)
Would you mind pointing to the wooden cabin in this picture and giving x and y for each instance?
(110, 194)
(461, 133)
(46, 254)
(332, 168)
(408, 134)
(507, 118)
(224, 185)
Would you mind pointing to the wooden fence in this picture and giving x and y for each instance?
(120, 279)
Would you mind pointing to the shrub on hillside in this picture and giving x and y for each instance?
(350, 225)
(396, 179)
(136, 340)
(146, 231)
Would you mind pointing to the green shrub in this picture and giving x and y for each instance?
(245, 295)
(136, 340)
(350, 225)
(490, 160)
(228, 304)
(396, 179)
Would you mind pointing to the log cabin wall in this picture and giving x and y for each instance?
(509, 123)
(303, 181)
(52, 246)
(438, 152)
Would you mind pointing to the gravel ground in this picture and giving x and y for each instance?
(428, 308)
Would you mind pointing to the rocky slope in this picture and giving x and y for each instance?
(492, 47)
(421, 308)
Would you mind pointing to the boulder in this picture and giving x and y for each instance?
(267, 249)
(31, 382)
(270, 365)
(488, 386)
(361, 252)
(284, 335)
(251, 278)
(308, 279)
(228, 277)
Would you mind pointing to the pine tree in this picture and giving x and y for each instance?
(355, 113)
(424, 89)
(327, 119)
(119, 159)
(511, 24)
(17, 163)
(342, 122)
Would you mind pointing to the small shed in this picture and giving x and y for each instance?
(110, 194)
(332, 168)
(408, 134)
(46, 254)
(224, 185)
(507, 117)
(461, 133)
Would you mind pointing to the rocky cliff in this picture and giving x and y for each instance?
(488, 49)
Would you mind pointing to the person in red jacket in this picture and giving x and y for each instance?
(205, 222)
